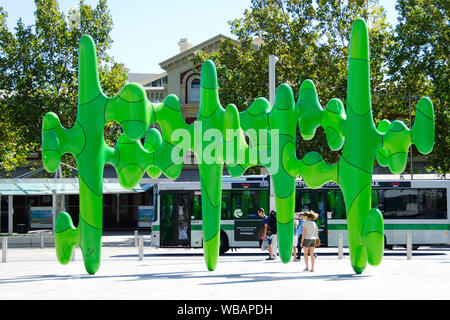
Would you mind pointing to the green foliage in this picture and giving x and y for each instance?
(420, 64)
(39, 74)
(310, 38)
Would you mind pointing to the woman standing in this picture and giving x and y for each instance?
(309, 236)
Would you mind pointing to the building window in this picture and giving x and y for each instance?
(194, 90)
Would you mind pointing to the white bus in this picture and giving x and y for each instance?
(419, 206)
(178, 220)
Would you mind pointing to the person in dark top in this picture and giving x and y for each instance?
(266, 233)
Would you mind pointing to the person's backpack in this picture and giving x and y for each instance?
(273, 222)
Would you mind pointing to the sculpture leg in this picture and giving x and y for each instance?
(211, 188)
(358, 205)
(66, 237)
(285, 225)
(90, 226)
(373, 236)
(88, 235)
(284, 187)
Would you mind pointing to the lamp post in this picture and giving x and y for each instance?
(410, 126)
(272, 60)
(73, 17)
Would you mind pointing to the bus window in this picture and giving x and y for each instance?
(245, 203)
(375, 199)
(336, 205)
(258, 199)
(306, 200)
(302, 201)
(167, 217)
(226, 208)
(432, 204)
(401, 203)
(196, 206)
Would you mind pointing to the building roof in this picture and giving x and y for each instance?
(145, 78)
(191, 50)
(140, 77)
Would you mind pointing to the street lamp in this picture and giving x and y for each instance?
(410, 126)
(272, 60)
(73, 18)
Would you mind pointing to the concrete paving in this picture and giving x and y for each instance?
(179, 274)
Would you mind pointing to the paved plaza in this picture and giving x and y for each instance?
(244, 274)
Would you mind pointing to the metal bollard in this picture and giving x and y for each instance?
(42, 240)
(409, 246)
(136, 238)
(141, 248)
(4, 248)
(340, 246)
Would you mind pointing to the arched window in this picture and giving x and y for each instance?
(194, 90)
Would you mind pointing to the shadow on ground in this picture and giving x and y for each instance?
(210, 278)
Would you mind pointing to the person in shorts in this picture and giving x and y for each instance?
(309, 236)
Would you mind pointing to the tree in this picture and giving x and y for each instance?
(310, 38)
(39, 66)
(420, 65)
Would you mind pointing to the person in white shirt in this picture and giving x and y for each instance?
(309, 236)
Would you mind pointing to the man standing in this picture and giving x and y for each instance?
(299, 233)
(266, 233)
(273, 245)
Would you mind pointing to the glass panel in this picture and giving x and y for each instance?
(167, 203)
(197, 206)
(302, 201)
(336, 205)
(320, 209)
(183, 217)
(319, 202)
(432, 204)
(245, 203)
(226, 207)
(401, 203)
(375, 199)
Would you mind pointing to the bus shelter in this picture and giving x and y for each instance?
(55, 187)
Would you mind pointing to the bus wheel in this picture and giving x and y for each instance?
(415, 247)
(224, 243)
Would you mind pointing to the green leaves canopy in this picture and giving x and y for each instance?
(39, 67)
(310, 38)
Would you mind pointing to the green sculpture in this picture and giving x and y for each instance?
(362, 142)
(85, 141)
(218, 137)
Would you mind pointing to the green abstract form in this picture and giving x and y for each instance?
(262, 135)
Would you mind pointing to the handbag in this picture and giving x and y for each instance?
(318, 242)
(264, 245)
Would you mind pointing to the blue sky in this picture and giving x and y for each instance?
(146, 32)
